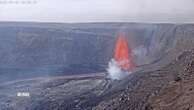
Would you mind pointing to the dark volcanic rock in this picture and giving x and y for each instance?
(44, 49)
(170, 88)
(178, 95)
(163, 79)
(40, 44)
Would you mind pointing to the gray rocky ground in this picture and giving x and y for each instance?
(42, 60)
(168, 88)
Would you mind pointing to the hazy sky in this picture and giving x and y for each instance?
(98, 10)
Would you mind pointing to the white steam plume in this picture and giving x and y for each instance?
(115, 72)
(140, 51)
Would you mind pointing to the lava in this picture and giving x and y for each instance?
(122, 53)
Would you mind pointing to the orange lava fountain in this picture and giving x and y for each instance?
(122, 54)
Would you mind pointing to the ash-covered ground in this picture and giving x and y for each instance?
(42, 69)
(168, 88)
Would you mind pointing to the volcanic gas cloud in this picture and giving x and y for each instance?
(122, 62)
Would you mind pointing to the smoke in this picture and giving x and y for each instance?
(115, 72)
(122, 61)
(140, 51)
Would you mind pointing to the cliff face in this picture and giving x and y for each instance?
(177, 94)
(164, 82)
(168, 88)
(43, 48)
